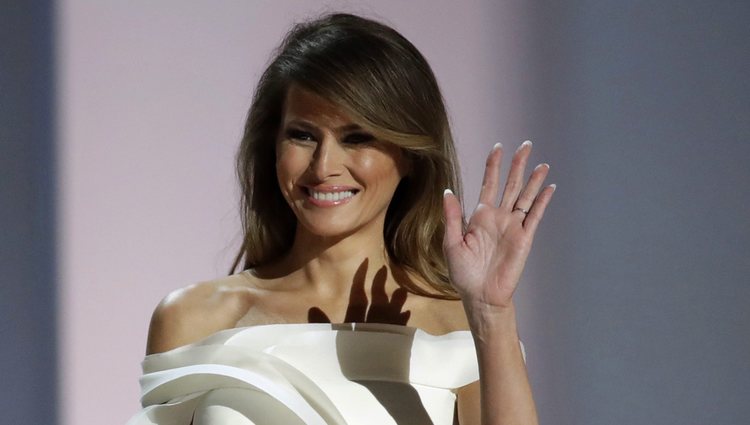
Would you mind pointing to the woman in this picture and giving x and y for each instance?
(343, 165)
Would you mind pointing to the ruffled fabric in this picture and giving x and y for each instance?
(309, 374)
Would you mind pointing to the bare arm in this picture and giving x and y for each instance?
(504, 385)
(486, 261)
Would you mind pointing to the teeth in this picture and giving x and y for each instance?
(331, 196)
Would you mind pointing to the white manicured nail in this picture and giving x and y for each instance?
(544, 164)
(553, 186)
(523, 145)
(447, 192)
(497, 146)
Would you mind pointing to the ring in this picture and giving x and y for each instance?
(520, 209)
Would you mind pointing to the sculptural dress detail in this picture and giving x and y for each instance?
(309, 374)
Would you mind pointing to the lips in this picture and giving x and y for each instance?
(330, 196)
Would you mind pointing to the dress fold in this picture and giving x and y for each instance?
(328, 374)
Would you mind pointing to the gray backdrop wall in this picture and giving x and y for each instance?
(28, 341)
(642, 289)
(634, 304)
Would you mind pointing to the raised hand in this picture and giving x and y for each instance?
(486, 260)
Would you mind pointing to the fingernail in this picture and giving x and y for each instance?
(523, 145)
(497, 146)
(447, 192)
(544, 164)
(553, 186)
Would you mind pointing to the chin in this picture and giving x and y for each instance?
(329, 231)
(326, 229)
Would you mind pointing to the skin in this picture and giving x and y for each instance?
(338, 269)
(485, 263)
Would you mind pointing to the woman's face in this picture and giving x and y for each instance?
(337, 178)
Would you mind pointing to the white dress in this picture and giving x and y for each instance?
(290, 374)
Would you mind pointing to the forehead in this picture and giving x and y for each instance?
(302, 104)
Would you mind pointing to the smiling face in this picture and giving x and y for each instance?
(336, 177)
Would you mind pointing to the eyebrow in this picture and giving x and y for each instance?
(309, 126)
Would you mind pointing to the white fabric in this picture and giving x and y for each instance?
(309, 374)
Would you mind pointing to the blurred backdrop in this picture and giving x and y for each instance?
(119, 122)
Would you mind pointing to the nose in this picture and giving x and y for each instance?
(328, 159)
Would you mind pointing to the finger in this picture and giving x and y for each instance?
(529, 193)
(537, 209)
(453, 220)
(491, 181)
(515, 176)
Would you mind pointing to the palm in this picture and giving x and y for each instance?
(486, 260)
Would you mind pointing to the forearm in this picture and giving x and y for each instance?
(506, 397)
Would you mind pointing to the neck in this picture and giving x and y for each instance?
(331, 263)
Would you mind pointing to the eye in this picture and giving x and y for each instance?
(359, 138)
(301, 135)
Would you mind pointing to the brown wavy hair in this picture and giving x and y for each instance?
(382, 81)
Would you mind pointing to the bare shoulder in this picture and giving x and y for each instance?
(196, 311)
(439, 316)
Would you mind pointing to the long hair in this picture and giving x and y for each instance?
(386, 85)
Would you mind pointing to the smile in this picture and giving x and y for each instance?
(330, 197)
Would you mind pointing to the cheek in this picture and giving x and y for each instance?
(379, 168)
(287, 172)
(290, 163)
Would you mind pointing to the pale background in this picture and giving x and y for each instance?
(120, 120)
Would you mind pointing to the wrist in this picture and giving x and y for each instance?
(490, 321)
(479, 310)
